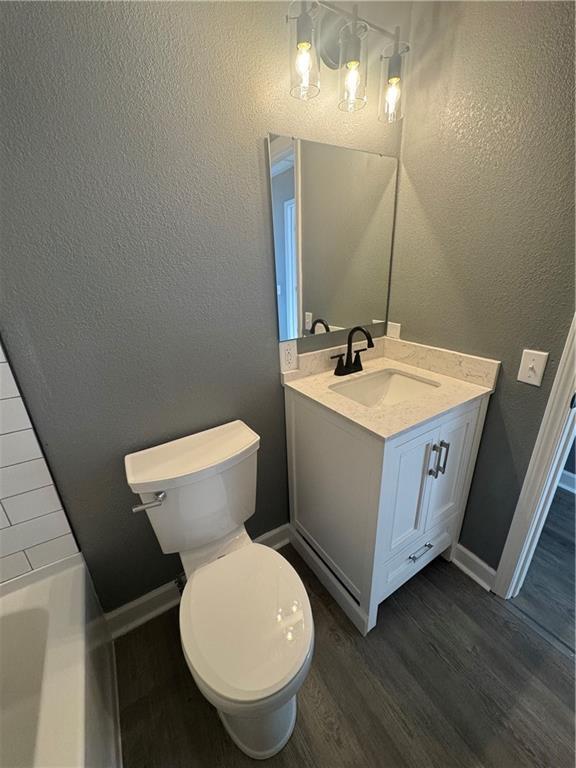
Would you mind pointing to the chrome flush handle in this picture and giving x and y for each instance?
(158, 499)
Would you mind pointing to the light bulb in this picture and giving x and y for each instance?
(393, 93)
(352, 82)
(392, 81)
(304, 65)
(353, 66)
(304, 62)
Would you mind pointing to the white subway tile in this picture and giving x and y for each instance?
(4, 522)
(8, 386)
(33, 532)
(25, 506)
(18, 447)
(51, 551)
(24, 477)
(13, 565)
(13, 416)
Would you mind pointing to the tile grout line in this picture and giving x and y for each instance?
(25, 461)
(28, 519)
(15, 431)
(60, 536)
(22, 493)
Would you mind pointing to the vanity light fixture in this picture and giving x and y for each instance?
(392, 80)
(320, 30)
(304, 62)
(353, 65)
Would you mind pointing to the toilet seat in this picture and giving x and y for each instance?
(246, 625)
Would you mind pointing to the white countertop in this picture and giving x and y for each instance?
(387, 421)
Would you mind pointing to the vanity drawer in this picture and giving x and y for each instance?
(394, 572)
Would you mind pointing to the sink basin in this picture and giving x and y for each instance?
(385, 387)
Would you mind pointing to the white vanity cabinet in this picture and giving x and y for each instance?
(368, 513)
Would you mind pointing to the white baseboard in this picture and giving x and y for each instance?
(276, 538)
(139, 611)
(472, 566)
(568, 481)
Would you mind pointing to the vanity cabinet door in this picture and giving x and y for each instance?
(335, 474)
(405, 490)
(455, 442)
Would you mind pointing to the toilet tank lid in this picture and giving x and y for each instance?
(191, 458)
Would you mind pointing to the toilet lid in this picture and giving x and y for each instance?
(246, 623)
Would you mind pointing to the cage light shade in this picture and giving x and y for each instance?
(392, 83)
(353, 66)
(303, 53)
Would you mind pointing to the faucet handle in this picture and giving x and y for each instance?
(339, 371)
(357, 364)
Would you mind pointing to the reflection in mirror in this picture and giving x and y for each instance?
(333, 215)
(282, 183)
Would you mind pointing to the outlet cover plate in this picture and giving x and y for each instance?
(532, 367)
(288, 356)
(393, 330)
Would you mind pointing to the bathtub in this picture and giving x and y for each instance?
(58, 700)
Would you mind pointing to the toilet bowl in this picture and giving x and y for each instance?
(247, 636)
(245, 619)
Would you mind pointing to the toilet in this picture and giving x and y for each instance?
(245, 619)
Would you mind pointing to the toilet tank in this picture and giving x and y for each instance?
(210, 483)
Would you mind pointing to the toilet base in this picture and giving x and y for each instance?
(264, 735)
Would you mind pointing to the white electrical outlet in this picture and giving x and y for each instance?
(532, 367)
(307, 320)
(393, 330)
(288, 356)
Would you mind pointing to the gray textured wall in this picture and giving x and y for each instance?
(484, 255)
(347, 223)
(137, 296)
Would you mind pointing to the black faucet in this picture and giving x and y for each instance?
(352, 366)
(319, 321)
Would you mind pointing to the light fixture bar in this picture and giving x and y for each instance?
(374, 27)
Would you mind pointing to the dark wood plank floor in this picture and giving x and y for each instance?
(547, 595)
(448, 678)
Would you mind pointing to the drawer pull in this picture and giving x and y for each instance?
(443, 444)
(421, 552)
(434, 470)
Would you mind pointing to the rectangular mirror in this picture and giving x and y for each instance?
(333, 217)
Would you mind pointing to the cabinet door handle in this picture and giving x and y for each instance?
(443, 444)
(420, 552)
(434, 470)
